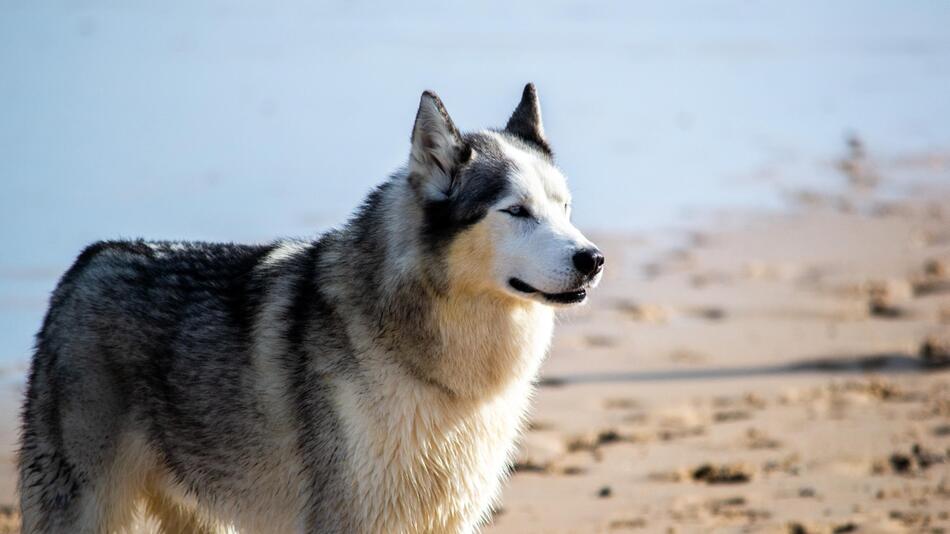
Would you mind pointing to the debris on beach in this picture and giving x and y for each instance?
(722, 474)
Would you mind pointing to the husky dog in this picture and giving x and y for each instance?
(371, 381)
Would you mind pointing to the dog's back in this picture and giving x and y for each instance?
(150, 382)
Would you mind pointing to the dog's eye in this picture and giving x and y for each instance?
(518, 211)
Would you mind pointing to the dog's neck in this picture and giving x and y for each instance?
(471, 343)
(486, 344)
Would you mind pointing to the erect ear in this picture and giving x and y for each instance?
(437, 149)
(526, 123)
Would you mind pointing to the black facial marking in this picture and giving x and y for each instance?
(476, 186)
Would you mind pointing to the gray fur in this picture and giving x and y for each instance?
(205, 353)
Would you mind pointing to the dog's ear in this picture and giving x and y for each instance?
(437, 149)
(526, 123)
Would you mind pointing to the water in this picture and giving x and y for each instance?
(245, 121)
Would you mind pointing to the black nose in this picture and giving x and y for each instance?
(589, 261)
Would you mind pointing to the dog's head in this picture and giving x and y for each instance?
(496, 210)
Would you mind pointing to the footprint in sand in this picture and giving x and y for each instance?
(622, 403)
(722, 474)
(538, 450)
(729, 416)
(887, 298)
(600, 341)
(757, 439)
(687, 356)
(935, 350)
(627, 524)
(935, 278)
(917, 460)
(643, 312)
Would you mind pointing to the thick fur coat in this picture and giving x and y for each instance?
(372, 380)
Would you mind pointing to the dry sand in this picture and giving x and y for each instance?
(773, 373)
(776, 373)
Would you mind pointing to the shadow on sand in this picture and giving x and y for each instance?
(891, 363)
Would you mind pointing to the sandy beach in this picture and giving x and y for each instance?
(749, 372)
(771, 373)
(770, 183)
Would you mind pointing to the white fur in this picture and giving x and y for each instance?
(434, 147)
(424, 461)
(538, 251)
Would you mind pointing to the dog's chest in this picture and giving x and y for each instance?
(421, 463)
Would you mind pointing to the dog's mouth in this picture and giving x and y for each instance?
(568, 297)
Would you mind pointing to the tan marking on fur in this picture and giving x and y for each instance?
(485, 341)
(471, 260)
(270, 507)
(127, 498)
(172, 517)
(484, 332)
(423, 460)
(116, 496)
(136, 497)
